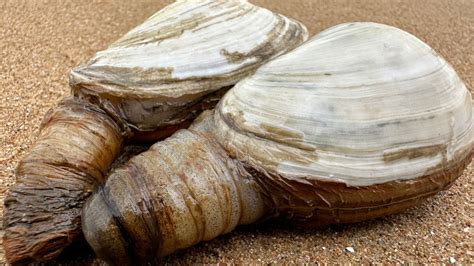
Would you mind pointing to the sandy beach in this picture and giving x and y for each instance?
(41, 40)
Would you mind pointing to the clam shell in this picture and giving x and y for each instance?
(160, 72)
(359, 104)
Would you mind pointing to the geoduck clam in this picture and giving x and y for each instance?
(151, 82)
(181, 61)
(364, 120)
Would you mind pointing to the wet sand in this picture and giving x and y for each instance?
(40, 41)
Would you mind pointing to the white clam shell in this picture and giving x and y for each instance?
(189, 40)
(186, 50)
(360, 103)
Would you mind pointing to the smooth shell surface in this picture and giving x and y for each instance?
(158, 73)
(360, 104)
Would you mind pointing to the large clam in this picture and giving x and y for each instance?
(363, 120)
(151, 82)
(162, 74)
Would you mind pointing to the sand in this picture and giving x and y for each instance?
(40, 41)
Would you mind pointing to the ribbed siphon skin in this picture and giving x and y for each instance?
(77, 144)
(182, 60)
(183, 190)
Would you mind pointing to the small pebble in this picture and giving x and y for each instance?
(452, 260)
(350, 249)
